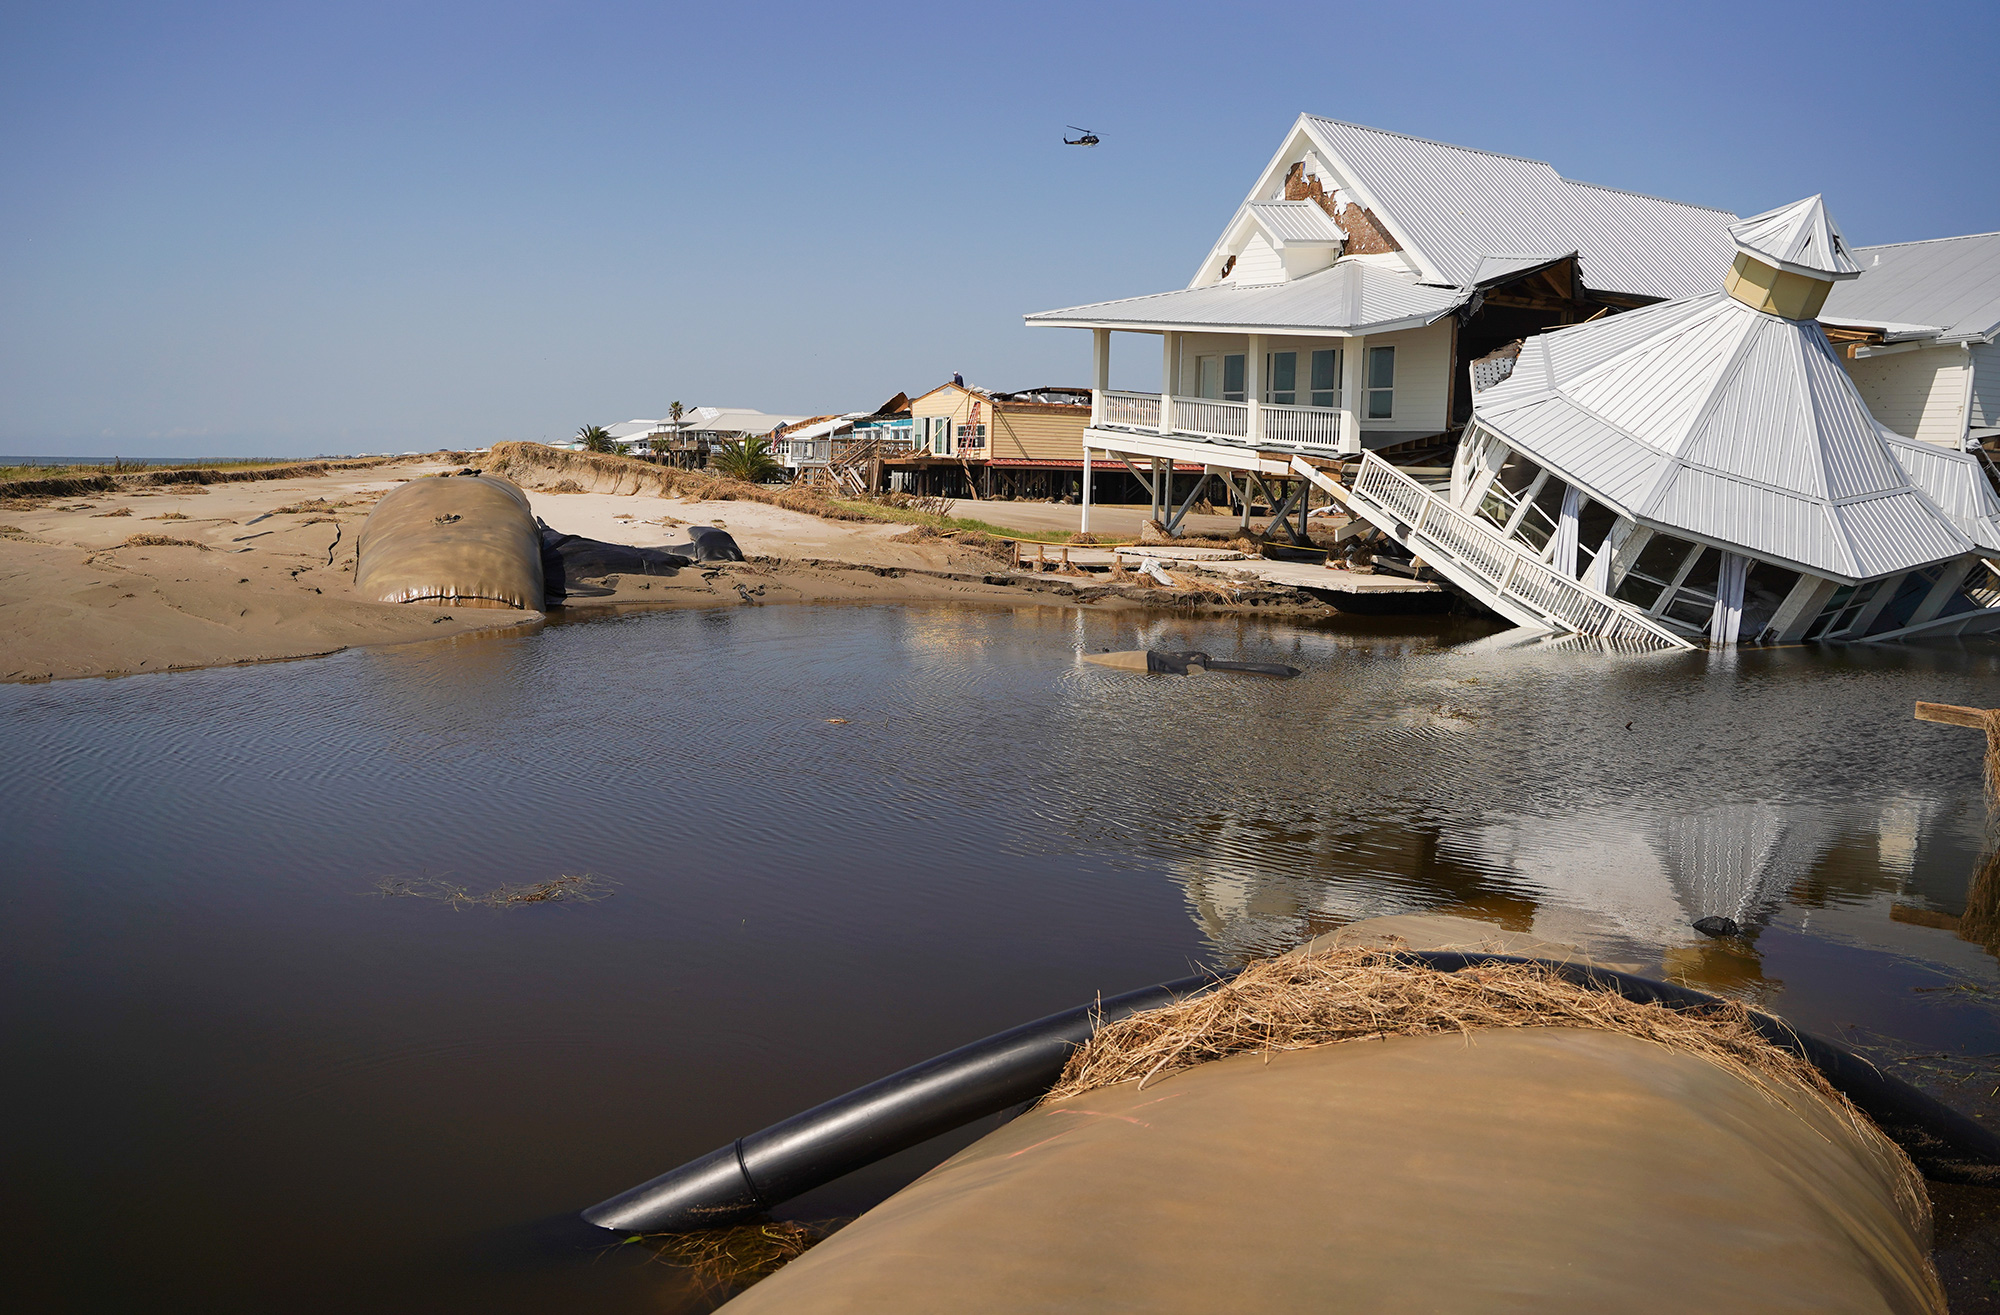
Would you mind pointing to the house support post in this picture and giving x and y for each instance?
(1253, 387)
(1083, 524)
(1170, 361)
(1353, 358)
(1100, 372)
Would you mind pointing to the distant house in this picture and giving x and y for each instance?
(1921, 329)
(1025, 444)
(700, 430)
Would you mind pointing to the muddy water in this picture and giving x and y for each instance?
(241, 1076)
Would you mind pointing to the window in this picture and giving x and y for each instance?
(1232, 378)
(1381, 383)
(1659, 566)
(1842, 610)
(1282, 368)
(1326, 377)
(972, 435)
(1503, 497)
(1536, 523)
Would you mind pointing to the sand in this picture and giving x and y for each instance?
(264, 584)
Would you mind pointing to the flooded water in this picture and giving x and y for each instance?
(249, 1069)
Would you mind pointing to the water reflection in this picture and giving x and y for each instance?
(839, 840)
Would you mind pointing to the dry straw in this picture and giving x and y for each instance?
(722, 1259)
(1300, 1001)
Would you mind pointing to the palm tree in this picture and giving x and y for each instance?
(596, 438)
(750, 461)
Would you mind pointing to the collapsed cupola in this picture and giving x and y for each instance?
(1788, 259)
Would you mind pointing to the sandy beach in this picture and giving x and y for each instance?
(179, 576)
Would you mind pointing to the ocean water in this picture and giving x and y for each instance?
(258, 1061)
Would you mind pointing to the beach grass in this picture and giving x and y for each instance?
(117, 467)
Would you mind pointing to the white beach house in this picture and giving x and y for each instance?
(1343, 301)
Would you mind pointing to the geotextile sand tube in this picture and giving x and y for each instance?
(457, 541)
(1360, 1131)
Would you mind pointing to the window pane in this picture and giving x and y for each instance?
(1232, 378)
(1381, 404)
(1660, 560)
(1705, 572)
(1284, 372)
(1691, 610)
(1209, 384)
(1763, 593)
(1381, 367)
(1325, 371)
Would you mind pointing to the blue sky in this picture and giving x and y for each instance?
(285, 228)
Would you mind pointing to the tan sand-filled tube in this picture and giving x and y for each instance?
(459, 541)
(1521, 1169)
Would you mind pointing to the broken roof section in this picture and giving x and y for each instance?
(1800, 238)
(1451, 207)
(1709, 418)
(1349, 297)
(1949, 283)
(1296, 223)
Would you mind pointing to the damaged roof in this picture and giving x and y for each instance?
(1349, 297)
(1451, 207)
(1296, 223)
(1709, 417)
(1800, 238)
(1950, 282)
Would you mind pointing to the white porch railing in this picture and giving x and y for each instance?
(1129, 410)
(1302, 426)
(1211, 419)
(1314, 427)
(1442, 534)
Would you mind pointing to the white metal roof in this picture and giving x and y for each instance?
(1296, 222)
(1349, 297)
(1800, 238)
(1711, 418)
(1955, 482)
(1451, 207)
(1952, 282)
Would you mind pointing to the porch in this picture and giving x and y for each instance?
(1298, 392)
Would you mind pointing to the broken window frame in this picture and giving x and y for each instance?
(1845, 610)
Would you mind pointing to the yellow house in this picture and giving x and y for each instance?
(1026, 444)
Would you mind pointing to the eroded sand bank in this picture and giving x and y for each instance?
(265, 570)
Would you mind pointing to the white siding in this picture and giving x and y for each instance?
(1259, 263)
(1986, 385)
(1423, 377)
(1423, 369)
(1920, 394)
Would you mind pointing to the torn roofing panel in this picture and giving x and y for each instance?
(1296, 222)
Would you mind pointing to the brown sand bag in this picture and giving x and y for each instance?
(1530, 1169)
(463, 541)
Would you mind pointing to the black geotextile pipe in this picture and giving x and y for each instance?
(905, 1109)
(873, 1122)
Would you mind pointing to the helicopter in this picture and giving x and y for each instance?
(1089, 138)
